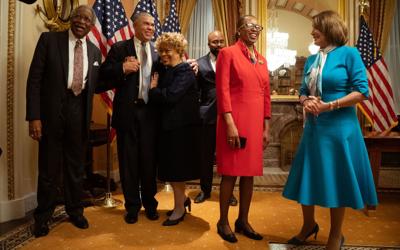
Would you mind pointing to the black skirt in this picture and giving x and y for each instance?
(179, 154)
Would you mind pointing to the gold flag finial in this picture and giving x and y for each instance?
(363, 5)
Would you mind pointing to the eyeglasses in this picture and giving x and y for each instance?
(252, 26)
(83, 18)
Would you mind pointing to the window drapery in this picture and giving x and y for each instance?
(227, 13)
(392, 56)
(380, 16)
(185, 10)
(202, 23)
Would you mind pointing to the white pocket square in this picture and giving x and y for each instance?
(96, 63)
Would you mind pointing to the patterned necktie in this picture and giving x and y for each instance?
(77, 79)
(145, 74)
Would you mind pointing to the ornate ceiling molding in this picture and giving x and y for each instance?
(305, 8)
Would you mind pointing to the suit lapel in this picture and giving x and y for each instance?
(154, 54)
(131, 48)
(210, 71)
(63, 48)
(90, 62)
(209, 62)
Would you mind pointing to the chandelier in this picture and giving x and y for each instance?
(277, 43)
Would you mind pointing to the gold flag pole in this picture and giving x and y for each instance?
(363, 5)
(108, 201)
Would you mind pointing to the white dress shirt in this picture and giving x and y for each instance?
(213, 61)
(71, 50)
(138, 48)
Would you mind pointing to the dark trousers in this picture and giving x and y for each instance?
(61, 159)
(137, 160)
(208, 154)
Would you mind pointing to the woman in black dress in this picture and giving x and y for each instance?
(176, 94)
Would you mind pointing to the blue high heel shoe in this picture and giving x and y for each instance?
(296, 241)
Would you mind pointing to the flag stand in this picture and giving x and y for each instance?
(108, 201)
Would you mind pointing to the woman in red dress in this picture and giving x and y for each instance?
(244, 110)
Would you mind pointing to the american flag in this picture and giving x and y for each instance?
(149, 7)
(171, 23)
(379, 108)
(111, 26)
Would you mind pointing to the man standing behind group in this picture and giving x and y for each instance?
(208, 113)
(127, 68)
(60, 87)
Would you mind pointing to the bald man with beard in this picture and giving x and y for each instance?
(208, 113)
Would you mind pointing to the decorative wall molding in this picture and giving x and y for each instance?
(16, 209)
(10, 99)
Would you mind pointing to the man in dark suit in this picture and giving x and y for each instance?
(128, 68)
(60, 87)
(208, 113)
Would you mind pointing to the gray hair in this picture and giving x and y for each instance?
(74, 12)
(139, 14)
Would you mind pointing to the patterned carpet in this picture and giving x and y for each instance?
(279, 246)
(276, 218)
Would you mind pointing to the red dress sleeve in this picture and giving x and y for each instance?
(222, 81)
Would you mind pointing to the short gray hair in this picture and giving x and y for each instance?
(137, 15)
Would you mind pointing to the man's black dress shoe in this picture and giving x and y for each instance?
(131, 218)
(152, 214)
(40, 229)
(233, 201)
(80, 221)
(240, 228)
(201, 197)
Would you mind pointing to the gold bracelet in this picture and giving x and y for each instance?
(331, 106)
(337, 104)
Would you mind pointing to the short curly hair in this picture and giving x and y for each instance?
(172, 40)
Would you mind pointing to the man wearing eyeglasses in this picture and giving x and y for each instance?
(208, 113)
(62, 79)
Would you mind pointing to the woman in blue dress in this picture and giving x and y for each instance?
(331, 168)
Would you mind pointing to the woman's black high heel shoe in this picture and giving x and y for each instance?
(295, 241)
(169, 222)
(228, 237)
(240, 228)
(187, 203)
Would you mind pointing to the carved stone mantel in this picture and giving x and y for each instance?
(287, 116)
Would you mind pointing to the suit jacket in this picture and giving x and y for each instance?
(177, 95)
(127, 86)
(208, 97)
(48, 76)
